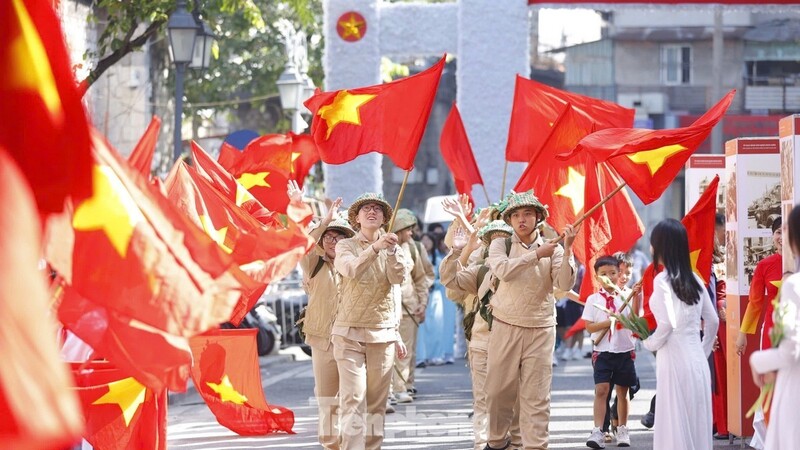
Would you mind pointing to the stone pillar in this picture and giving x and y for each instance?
(351, 65)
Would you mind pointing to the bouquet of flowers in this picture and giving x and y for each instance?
(631, 321)
(776, 334)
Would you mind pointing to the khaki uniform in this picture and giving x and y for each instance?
(520, 350)
(363, 339)
(320, 312)
(414, 295)
(462, 282)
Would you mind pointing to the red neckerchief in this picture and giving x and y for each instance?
(609, 306)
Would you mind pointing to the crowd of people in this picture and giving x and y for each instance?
(385, 298)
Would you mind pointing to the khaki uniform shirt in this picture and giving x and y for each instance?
(524, 297)
(323, 298)
(415, 288)
(455, 276)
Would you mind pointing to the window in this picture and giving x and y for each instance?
(676, 64)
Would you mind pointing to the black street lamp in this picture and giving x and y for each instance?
(182, 30)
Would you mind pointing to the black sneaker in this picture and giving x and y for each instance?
(649, 419)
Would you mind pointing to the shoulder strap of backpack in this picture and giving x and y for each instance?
(508, 246)
(318, 267)
(414, 250)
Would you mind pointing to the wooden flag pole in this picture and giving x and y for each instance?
(399, 199)
(503, 186)
(591, 211)
(488, 202)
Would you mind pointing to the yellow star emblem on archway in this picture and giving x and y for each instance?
(249, 180)
(574, 189)
(127, 393)
(110, 209)
(226, 391)
(657, 157)
(216, 235)
(351, 27)
(344, 108)
(29, 65)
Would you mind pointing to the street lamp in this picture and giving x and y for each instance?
(201, 58)
(291, 88)
(182, 30)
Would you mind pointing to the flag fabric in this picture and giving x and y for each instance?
(648, 160)
(293, 154)
(129, 250)
(141, 158)
(120, 412)
(224, 181)
(43, 124)
(700, 223)
(228, 155)
(388, 118)
(227, 376)
(537, 109)
(39, 410)
(457, 153)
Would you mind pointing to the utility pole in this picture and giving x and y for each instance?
(716, 77)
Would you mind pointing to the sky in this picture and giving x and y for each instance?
(578, 25)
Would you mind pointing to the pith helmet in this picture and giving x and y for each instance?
(523, 200)
(404, 219)
(495, 226)
(369, 197)
(340, 225)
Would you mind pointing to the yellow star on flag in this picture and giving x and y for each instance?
(217, 235)
(242, 195)
(657, 157)
(351, 27)
(249, 180)
(776, 283)
(127, 393)
(226, 391)
(574, 189)
(344, 108)
(295, 156)
(29, 66)
(693, 257)
(110, 209)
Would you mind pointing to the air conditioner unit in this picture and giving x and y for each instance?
(644, 103)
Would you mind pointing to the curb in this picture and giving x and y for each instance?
(191, 396)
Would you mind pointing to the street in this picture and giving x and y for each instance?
(438, 419)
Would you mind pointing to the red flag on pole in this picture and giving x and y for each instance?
(227, 376)
(293, 154)
(648, 160)
(38, 408)
(43, 124)
(141, 158)
(387, 118)
(700, 223)
(457, 153)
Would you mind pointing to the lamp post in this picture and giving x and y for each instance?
(182, 30)
(294, 84)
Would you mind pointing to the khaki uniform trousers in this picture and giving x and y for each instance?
(480, 416)
(364, 378)
(519, 366)
(408, 332)
(326, 389)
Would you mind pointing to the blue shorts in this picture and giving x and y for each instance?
(616, 368)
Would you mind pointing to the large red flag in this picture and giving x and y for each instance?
(648, 160)
(228, 155)
(228, 377)
(224, 181)
(141, 158)
(43, 124)
(457, 153)
(700, 223)
(538, 108)
(387, 118)
(120, 412)
(128, 249)
(37, 407)
(293, 154)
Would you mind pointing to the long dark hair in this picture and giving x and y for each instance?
(794, 230)
(671, 248)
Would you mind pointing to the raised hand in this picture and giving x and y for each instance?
(385, 242)
(454, 208)
(460, 238)
(483, 218)
(466, 206)
(294, 192)
(333, 209)
(570, 232)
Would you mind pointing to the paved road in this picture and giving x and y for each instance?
(436, 420)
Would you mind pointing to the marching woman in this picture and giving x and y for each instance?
(679, 301)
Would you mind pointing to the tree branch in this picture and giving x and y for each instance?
(114, 57)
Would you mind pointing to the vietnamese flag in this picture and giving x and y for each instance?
(223, 181)
(293, 154)
(227, 376)
(700, 223)
(386, 118)
(538, 108)
(141, 158)
(120, 412)
(457, 153)
(37, 406)
(228, 155)
(43, 124)
(128, 249)
(648, 160)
